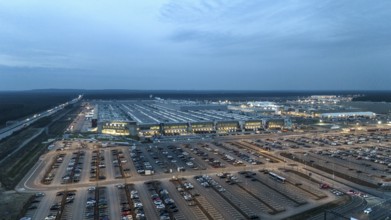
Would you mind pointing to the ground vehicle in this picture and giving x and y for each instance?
(324, 186)
(39, 194)
(277, 177)
(368, 210)
(92, 188)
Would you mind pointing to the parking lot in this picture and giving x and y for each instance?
(219, 179)
(357, 156)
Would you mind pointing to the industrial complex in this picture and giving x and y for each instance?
(160, 117)
(310, 158)
(156, 117)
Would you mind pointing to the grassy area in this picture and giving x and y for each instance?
(16, 167)
(8, 144)
(11, 203)
(320, 209)
(59, 126)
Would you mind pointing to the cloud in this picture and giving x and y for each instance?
(165, 44)
(301, 25)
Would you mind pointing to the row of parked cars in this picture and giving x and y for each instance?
(74, 168)
(134, 205)
(99, 202)
(52, 172)
(244, 156)
(162, 200)
(138, 206)
(141, 164)
(184, 157)
(207, 181)
(97, 165)
(55, 209)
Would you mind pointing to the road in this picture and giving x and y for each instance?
(23, 144)
(9, 130)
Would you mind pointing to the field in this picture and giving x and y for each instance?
(14, 167)
(11, 203)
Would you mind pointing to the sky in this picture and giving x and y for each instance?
(195, 44)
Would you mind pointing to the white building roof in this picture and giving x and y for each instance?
(347, 114)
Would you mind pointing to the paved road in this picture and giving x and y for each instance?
(7, 131)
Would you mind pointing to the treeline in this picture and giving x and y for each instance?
(374, 98)
(213, 95)
(16, 105)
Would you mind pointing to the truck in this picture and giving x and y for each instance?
(149, 172)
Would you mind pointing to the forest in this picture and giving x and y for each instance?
(16, 105)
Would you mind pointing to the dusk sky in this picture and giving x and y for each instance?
(195, 45)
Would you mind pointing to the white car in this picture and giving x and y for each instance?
(39, 194)
(160, 206)
(368, 210)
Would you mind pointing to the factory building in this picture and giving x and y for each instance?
(348, 115)
(170, 129)
(202, 127)
(227, 126)
(119, 128)
(174, 128)
(133, 128)
(204, 107)
(278, 123)
(149, 130)
(94, 123)
(253, 125)
(115, 128)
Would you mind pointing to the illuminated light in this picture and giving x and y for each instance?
(379, 122)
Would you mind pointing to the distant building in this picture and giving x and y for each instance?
(119, 128)
(348, 115)
(278, 123)
(204, 107)
(253, 125)
(227, 126)
(94, 123)
(149, 130)
(202, 127)
(174, 128)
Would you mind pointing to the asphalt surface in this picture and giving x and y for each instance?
(249, 196)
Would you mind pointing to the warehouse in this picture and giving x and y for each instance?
(348, 115)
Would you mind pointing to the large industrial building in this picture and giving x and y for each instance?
(169, 129)
(161, 117)
(348, 115)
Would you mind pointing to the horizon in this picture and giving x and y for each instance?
(199, 90)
